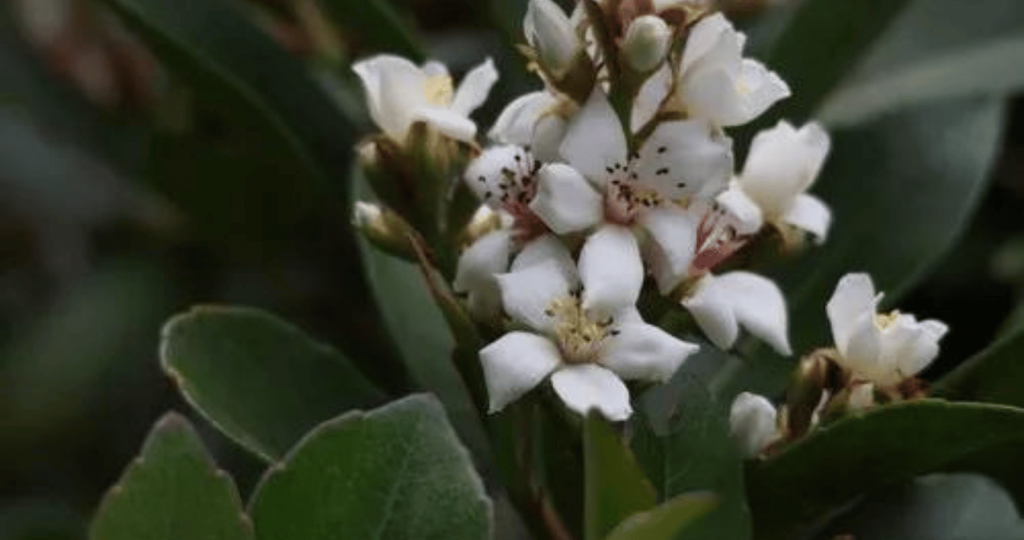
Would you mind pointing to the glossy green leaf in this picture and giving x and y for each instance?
(822, 40)
(666, 521)
(681, 439)
(922, 57)
(994, 375)
(259, 379)
(395, 473)
(172, 491)
(890, 444)
(935, 507)
(376, 25)
(616, 488)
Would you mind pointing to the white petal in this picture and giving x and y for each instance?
(863, 352)
(543, 249)
(516, 363)
(748, 215)
(611, 271)
(565, 201)
(482, 260)
(433, 68)
(485, 175)
(449, 123)
(473, 89)
(587, 386)
(713, 312)
(648, 99)
(594, 140)
(936, 329)
(675, 232)
(810, 214)
(516, 123)
(759, 307)
(547, 137)
(782, 163)
(854, 296)
(909, 346)
(394, 88)
(757, 88)
(644, 351)
(711, 32)
(752, 421)
(686, 157)
(527, 293)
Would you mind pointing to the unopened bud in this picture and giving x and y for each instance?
(385, 229)
(550, 33)
(646, 43)
(809, 383)
(753, 423)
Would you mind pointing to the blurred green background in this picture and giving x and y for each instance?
(131, 189)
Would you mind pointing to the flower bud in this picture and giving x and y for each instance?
(549, 31)
(384, 229)
(646, 42)
(752, 421)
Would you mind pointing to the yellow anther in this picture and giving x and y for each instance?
(438, 90)
(579, 337)
(885, 320)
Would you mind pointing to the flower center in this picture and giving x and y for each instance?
(513, 191)
(885, 320)
(717, 240)
(627, 194)
(438, 90)
(579, 337)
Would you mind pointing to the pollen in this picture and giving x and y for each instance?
(438, 90)
(885, 320)
(579, 337)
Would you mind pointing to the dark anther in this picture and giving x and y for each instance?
(663, 170)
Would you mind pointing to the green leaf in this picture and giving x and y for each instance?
(681, 438)
(994, 375)
(922, 57)
(377, 26)
(936, 507)
(394, 473)
(889, 444)
(257, 378)
(172, 491)
(237, 70)
(666, 521)
(616, 488)
(821, 42)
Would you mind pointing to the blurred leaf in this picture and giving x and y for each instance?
(681, 438)
(994, 375)
(666, 521)
(821, 42)
(55, 368)
(259, 379)
(922, 57)
(879, 180)
(397, 472)
(172, 491)
(616, 488)
(376, 25)
(889, 444)
(278, 111)
(423, 339)
(934, 507)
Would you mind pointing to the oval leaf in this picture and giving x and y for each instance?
(172, 491)
(616, 488)
(394, 473)
(889, 444)
(259, 379)
(666, 521)
(994, 375)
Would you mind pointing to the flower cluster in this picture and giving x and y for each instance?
(613, 183)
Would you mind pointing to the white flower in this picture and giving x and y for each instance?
(752, 421)
(680, 160)
(721, 304)
(550, 32)
(646, 42)
(714, 81)
(399, 93)
(584, 340)
(782, 164)
(532, 120)
(881, 348)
